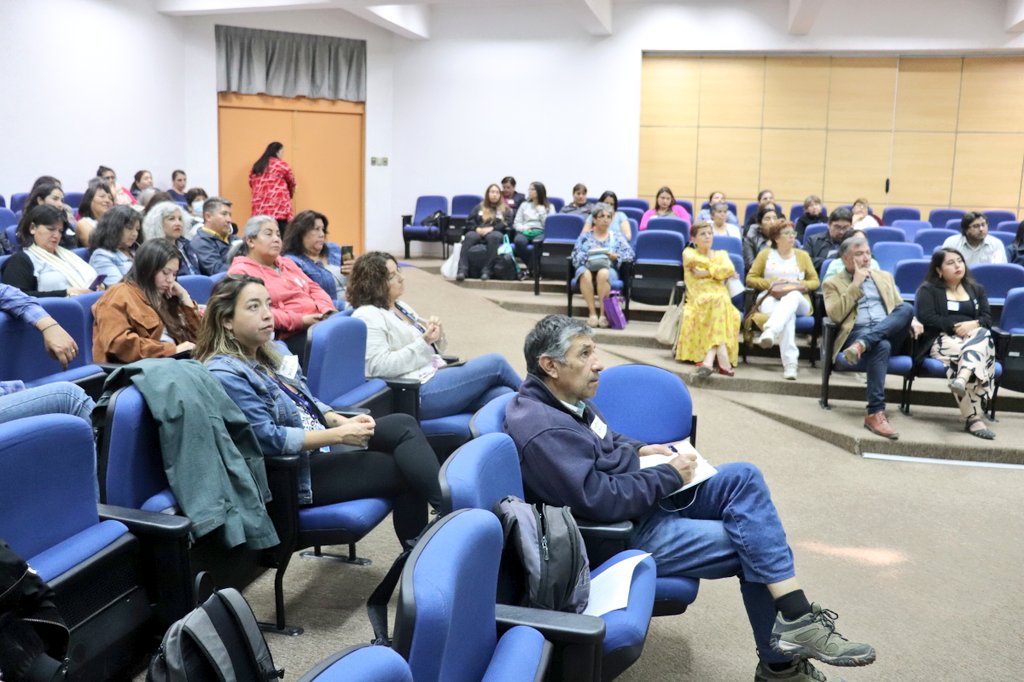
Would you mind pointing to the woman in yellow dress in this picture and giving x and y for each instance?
(710, 324)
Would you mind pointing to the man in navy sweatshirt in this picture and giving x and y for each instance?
(726, 526)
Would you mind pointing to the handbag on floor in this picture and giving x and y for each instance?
(451, 266)
(613, 311)
(668, 328)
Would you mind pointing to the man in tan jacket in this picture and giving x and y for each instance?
(873, 320)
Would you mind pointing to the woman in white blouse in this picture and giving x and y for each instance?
(529, 222)
(43, 267)
(402, 345)
(114, 242)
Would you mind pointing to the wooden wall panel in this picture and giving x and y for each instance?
(793, 164)
(928, 96)
(992, 97)
(668, 91)
(861, 94)
(668, 157)
(243, 135)
(796, 92)
(987, 173)
(856, 164)
(728, 159)
(922, 168)
(731, 92)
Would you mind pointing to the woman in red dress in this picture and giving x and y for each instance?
(273, 185)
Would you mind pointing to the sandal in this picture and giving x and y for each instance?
(602, 322)
(703, 371)
(984, 432)
(727, 372)
(592, 321)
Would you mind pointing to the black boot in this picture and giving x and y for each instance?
(460, 275)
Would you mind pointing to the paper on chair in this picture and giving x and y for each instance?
(610, 590)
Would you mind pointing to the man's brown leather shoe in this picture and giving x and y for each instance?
(878, 424)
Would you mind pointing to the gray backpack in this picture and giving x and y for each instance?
(220, 641)
(547, 541)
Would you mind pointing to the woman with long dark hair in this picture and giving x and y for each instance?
(665, 206)
(620, 222)
(50, 192)
(43, 267)
(954, 311)
(149, 314)
(142, 181)
(114, 242)
(273, 186)
(305, 242)
(342, 458)
(529, 222)
(486, 224)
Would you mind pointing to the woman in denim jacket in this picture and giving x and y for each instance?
(305, 242)
(342, 458)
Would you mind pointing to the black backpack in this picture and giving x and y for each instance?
(435, 219)
(218, 642)
(504, 266)
(548, 544)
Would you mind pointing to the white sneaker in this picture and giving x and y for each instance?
(790, 373)
(766, 340)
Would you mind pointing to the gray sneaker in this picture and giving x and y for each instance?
(802, 671)
(815, 636)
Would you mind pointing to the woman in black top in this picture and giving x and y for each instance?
(954, 311)
(486, 224)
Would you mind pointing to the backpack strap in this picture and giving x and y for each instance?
(244, 618)
(201, 629)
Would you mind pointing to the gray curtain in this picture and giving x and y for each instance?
(252, 62)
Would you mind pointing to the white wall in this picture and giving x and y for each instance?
(495, 91)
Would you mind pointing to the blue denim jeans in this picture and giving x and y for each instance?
(731, 528)
(60, 397)
(468, 387)
(879, 340)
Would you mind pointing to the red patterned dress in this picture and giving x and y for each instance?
(272, 190)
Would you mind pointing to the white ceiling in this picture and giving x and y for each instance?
(411, 18)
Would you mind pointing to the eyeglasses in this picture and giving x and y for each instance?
(978, 226)
(788, 233)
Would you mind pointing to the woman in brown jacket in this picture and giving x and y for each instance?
(148, 315)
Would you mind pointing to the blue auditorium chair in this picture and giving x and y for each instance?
(642, 204)
(940, 217)
(131, 471)
(197, 286)
(733, 245)
(1009, 338)
(893, 213)
(995, 217)
(888, 254)
(338, 378)
(1010, 226)
(24, 356)
(876, 235)
(909, 276)
(97, 559)
(901, 362)
(462, 204)
(954, 224)
(656, 269)
(413, 228)
(73, 199)
(18, 200)
(731, 205)
(932, 239)
(362, 662)
(671, 224)
(12, 236)
(485, 470)
(446, 621)
(813, 229)
(561, 230)
(7, 217)
(912, 227)
(687, 204)
(749, 212)
(930, 368)
(998, 279)
(632, 212)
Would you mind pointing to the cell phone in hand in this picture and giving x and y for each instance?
(347, 253)
(96, 283)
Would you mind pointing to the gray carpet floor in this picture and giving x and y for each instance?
(922, 560)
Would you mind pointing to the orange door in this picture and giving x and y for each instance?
(323, 143)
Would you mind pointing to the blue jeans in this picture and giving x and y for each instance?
(879, 340)
(60, 397)
(730, 529)
(468, 387)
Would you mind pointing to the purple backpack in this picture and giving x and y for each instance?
(613, 311)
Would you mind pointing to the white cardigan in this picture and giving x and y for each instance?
(394, 348)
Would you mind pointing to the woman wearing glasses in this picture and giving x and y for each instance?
(784, 276)
(402, 345)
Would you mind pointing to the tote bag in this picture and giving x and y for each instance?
(451, 266)
(668, 328)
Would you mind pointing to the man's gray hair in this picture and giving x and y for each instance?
(253, 225)
(552, 338)
(851, 242)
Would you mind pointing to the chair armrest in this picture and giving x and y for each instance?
(451, 359)
(145, 523)
(405, 396)
(406, 220)
(597, 529)
(283, 507)
(348, 411)
(577, 638)
(604, 540)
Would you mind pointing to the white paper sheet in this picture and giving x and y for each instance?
(703, 472)
(610, 590)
